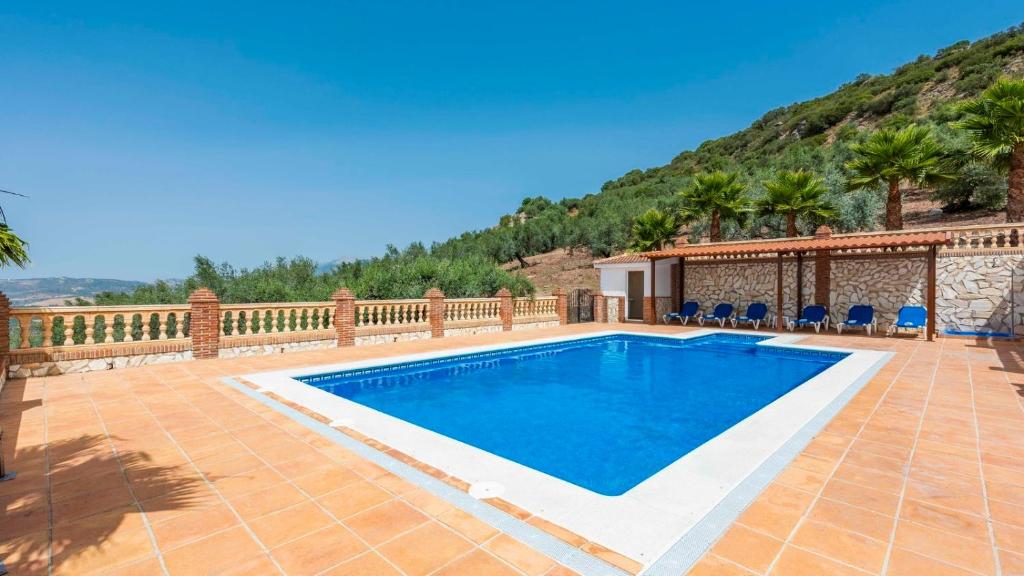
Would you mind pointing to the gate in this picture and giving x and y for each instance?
(580, 304)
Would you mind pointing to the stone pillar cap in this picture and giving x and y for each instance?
(202, 295)
(433, 293)
(503, 293)
(822, 232)
(558, 291)
(343, 293)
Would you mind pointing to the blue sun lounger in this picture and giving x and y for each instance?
(909, 318)
(721, 313)
(813, 316)
(689, 310)
(756, 313)
(859, 316)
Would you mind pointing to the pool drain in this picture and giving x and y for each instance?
(482, 490)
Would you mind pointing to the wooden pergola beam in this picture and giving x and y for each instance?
(778, 294)
(932, 287)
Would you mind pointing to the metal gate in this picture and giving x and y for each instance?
(581, 305)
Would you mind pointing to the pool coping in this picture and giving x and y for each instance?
(558, 550)
(714, 513)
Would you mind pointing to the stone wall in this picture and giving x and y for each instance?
(388, 338)
(975, 292)
(974, 289)
(613, 310)
(742, 283)
(885, 283)
(532, 325)
(474, 330)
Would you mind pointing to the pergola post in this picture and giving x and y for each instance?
(932, 255)
(778, 294)
(799, 282)
(682, 282)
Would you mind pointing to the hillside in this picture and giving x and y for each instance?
(814, 135)
(54, 291)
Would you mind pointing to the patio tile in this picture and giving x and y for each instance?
(949, 548)
(796, 562)
(470, 527)
(325, 480)
(368, 564)
(478, 562)
(425, 549)
(946, 519)
(386, 521)
(98, 542)
(852, 518)
(288, 524)
(318, 551)
(520, 555)
(213, 554)
(848, 547)
(750, 549)
(906, 563)
(711, 565)
(193, 525)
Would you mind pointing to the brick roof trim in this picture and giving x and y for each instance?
(860, 241)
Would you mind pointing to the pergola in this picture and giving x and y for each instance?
(909, 243)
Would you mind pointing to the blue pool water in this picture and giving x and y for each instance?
(604, 413)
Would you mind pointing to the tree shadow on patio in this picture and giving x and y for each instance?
(1011, 360)
(90, 499)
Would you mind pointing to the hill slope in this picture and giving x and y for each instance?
(54, 291)
(815, 135)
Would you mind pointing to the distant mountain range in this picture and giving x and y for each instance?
(54, 291)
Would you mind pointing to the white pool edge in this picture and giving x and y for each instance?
(653, 517)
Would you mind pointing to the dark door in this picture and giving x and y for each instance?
(635, 296)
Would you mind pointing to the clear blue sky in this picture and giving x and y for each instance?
(147, 134)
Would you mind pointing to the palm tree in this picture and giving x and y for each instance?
(891, 156)
(716, 195)
(653, 230)
(795, 194)
(12, 248)
(995, 120)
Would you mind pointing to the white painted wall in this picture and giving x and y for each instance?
(614, 277)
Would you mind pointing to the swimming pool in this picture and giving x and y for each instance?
(670, 435)
(603, 413)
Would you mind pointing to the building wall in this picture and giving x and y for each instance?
(981, 291)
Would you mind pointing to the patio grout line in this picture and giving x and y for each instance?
(761, 477)
(337, 520)
(831, 475)
(530, 535)
(287, 480)
(49, 482)
(910, 461)
(209, 484)
(124, 475)
(981, 469)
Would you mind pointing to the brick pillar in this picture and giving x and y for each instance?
(5, 336)
(205, 326)
(562, 306)
(823, 270)
(600, 308)
(506, 309)
(436, 312)
(649, 310)
(823, 277)
(622, 309)
(344, 316)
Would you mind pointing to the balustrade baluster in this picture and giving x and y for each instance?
(90, 329)
(129, 320)
(108, 328)
(47, 331)
(69, 330)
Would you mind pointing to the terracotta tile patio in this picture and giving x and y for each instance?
(164, 469)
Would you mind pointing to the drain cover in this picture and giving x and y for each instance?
(482, 490)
